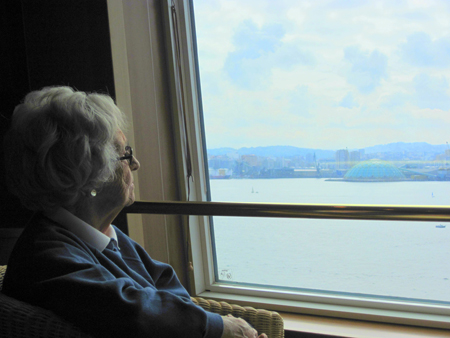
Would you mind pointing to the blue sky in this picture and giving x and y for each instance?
(324, 74)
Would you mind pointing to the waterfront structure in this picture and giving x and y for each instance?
(222, 173)
(374, 171)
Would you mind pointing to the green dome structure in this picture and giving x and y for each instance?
(374, 171)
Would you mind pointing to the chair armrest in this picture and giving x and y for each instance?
(19, 319)
(264, 321)
(2, 275)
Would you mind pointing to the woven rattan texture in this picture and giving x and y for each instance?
(19, 319)
(263, 321)
(2, 275)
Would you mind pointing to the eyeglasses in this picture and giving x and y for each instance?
(128, 155)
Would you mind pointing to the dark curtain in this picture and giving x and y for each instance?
(45, 43)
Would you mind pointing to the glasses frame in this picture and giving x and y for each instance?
(129, 156)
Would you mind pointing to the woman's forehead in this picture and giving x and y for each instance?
(121, 139)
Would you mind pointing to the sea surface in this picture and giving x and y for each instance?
(381, 258)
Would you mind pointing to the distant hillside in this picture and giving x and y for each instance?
(221, 151)
(272, 151)
(290, 151)
(399, 147)
(285, 151)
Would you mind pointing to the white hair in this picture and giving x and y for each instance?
(61, 145)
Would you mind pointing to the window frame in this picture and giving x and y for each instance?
(197, 189)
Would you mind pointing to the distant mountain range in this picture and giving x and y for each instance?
(290, 151)
(398, 147)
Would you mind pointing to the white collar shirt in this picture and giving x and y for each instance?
(82, 230)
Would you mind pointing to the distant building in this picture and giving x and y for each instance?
(362, 154)
(251, 160)
(342, 158)
(310, 159)
(286, 162)
(217, 162)
(268, 163)
(441, 157)
(374, 171)
(355, 157)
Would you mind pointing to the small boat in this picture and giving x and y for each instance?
(440, 226)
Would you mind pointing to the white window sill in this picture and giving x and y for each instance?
(355, 329)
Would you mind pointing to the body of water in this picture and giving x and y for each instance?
(381, 258)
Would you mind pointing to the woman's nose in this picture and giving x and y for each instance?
(135, 165)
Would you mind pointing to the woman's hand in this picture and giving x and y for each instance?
(238, 328)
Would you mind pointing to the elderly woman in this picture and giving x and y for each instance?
(68, 159)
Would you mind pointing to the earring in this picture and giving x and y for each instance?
(93, 192)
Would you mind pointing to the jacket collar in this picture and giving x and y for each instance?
(82, 230)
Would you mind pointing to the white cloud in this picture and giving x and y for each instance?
(421, 51)
(431, 92)
(367, 69)
(348, 101)
(323, 73)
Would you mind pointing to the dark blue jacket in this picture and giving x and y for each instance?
(107, 294)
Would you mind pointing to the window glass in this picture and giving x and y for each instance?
(341, 102)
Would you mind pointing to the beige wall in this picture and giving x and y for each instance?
(142, 91)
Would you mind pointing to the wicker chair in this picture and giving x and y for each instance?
(19, 319)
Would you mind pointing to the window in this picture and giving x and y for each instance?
(323, 102)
